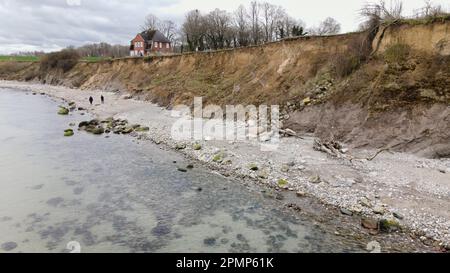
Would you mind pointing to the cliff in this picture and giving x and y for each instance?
(390, 89)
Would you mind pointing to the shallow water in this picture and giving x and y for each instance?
(115, 195)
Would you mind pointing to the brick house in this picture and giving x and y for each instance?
(151, 41)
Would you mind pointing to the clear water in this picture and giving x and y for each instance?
(115, 195)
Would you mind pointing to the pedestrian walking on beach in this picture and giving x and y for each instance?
(102, 99)
(91, 100)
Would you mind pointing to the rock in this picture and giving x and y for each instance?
(218, 158)
(142, 129)
(190, 166)
(209, 241)
(301, 194)
(263, 175)
(72, 124)
(197, 147)
(83, 124)
(345, 211)
(389, 225)
(127, 130)
(183, 170)
(63, 111)
(283, 183)
(127, 97)
(307, 101)
(370, 223)
(365, 202)
(315, 179)
(285, 169)
(9, 246)
(180, 146)
(68, 133)
(398, 216)
(253, 167)
(290, 132)
(442, 170)
(95, 130)
(379, 210)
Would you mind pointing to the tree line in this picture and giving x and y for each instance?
(257, 24)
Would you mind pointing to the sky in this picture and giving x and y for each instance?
(50, 25)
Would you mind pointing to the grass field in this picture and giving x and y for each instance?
(18, 58)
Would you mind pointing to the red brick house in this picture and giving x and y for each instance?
(151, 41)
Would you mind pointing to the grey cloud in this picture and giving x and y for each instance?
(54, 24)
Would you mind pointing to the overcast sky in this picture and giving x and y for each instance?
(27, 25)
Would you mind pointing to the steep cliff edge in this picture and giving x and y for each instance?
(391, 90)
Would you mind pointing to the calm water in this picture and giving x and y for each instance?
(114, 195)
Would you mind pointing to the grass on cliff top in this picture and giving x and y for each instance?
(4, 58)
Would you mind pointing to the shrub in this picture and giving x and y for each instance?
(397, 53)
(63, 60)
(357, 52)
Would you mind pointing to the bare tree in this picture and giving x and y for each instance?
(151, 22)
(328, 27)
(242, 26)
(255, 28)
(217, 26)
(194, 30)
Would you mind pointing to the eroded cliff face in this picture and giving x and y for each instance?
(395, 95)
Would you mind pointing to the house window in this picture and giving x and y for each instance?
(167, 45)
(156, 44)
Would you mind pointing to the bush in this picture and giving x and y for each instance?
(357, 52)
(63, 60)
(397, 53)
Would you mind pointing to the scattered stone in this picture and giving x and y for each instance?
(9, 246)
(442, 170)
(370, 223)
(389, 225)
(190, 166)
(142, 129)
(315, 179)
(209, 241)
(285, 168)
(347, 212)
(218, 158)
(283, 183)
(365, 202)
(183, 170)
(379, 210)
(263, 175)
(197, 147)
(290, 132)
(63, 111)
(253, 167)
(398, 216)
(301, 194)
(68, 133)
(180, 146)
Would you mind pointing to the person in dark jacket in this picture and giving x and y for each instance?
(102, 99)
(91, 100)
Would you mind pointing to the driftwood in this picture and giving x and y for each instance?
(332, 148)
(335, 149)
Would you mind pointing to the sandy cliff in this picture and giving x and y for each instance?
(390, 90)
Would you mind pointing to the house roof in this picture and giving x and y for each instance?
(155, 36)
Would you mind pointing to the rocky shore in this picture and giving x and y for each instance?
(389, 193)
